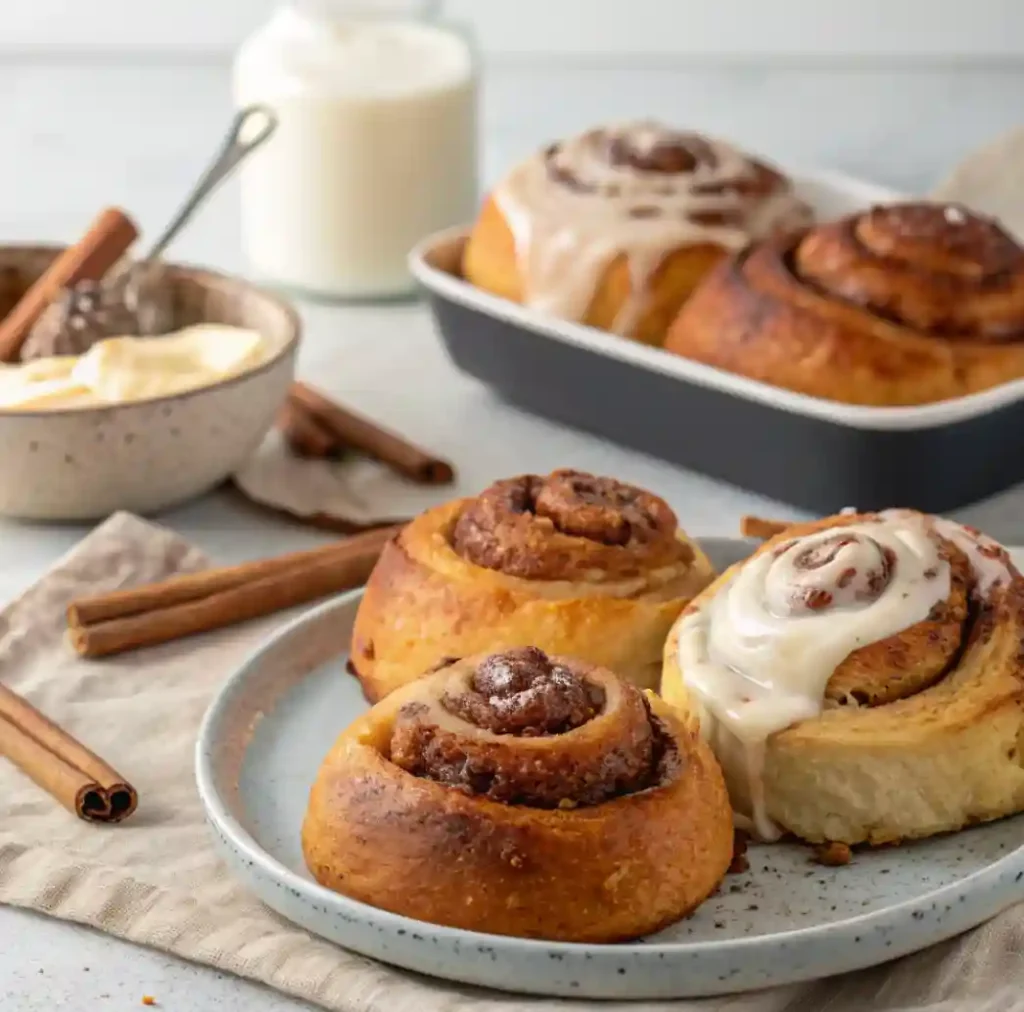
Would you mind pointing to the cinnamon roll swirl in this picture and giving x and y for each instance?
(522, 794)
(575, 564)
(861, 679)
(900, 305)
(615, 227)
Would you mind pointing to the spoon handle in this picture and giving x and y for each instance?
(235, 147)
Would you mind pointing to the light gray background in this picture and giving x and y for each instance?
(79, 130)
(569, 28)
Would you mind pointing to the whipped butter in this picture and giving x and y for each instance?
(119, 370)
(759, 654)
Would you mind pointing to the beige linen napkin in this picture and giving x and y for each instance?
(155, 879)
(991, 181)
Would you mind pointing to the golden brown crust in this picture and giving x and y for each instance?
(492, 263)
(900, 305)
(921, 733)
(415, 840)
(611, 604)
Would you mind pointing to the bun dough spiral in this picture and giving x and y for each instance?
(901, 305)
(522, 794)
(861, 679)
(615, 227)
(578, 565)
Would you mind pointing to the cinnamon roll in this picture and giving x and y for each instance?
(572, 563)
(614, 228)
(522, 794)
(900, 305)
(861, 679)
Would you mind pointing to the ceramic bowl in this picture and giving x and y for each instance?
(85, 463)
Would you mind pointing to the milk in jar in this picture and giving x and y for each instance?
(375, 147)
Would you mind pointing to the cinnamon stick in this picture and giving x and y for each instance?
(108, 239)
(201, 602)
(304, 432)
(81, 781)
(194, 586)
(359, 433)
(759, 527)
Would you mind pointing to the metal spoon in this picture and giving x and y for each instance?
(128, 302)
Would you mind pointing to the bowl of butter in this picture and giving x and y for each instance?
(142, 422)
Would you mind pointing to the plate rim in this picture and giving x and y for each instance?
(887, 919)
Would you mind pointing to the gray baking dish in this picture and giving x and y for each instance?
(815, 454)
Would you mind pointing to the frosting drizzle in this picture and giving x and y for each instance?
(638, 189)
(759, 654)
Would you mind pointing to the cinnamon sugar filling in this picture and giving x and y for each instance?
(522, 694)
(549, 528)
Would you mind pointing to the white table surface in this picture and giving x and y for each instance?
(76, 136)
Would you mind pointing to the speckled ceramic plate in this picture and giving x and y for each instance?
(784, 920)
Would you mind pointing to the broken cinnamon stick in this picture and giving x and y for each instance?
(216, 598)
(77, 778)
(359, 433)
(759, 527)
(108, 239)
(304, 432)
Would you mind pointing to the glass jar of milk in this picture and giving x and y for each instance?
(375, 148)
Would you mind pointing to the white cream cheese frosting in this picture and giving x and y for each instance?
(758, 655)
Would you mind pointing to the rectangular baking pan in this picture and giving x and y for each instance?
(815, 454)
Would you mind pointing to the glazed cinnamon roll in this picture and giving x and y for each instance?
(572, 563)
(861, 679)
(522, 794)
(615, 227)
(900, 305)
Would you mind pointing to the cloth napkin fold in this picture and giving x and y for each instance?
(155, 879)
(990, 181)
(352, 491)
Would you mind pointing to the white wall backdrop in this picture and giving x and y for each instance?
(976, 30)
